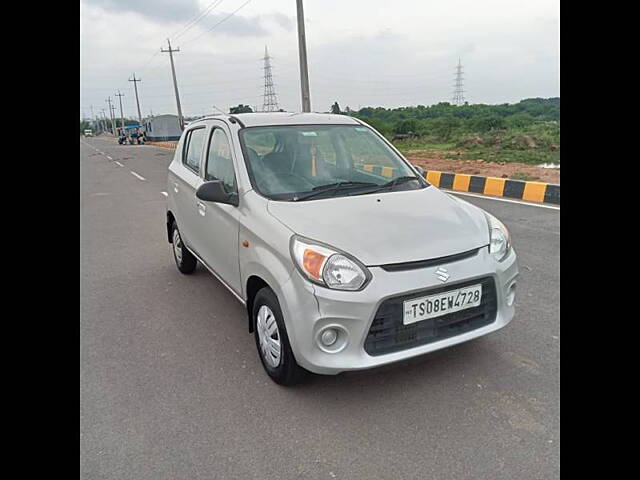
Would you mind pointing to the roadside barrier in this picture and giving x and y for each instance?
(538, 192)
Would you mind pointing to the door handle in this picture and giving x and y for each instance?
(175, 187)
(202, 208)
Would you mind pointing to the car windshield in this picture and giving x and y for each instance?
(319, 161)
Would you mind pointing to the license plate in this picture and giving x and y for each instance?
(432, 306)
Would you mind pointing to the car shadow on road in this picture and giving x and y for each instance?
(461, 360)
(463, 363)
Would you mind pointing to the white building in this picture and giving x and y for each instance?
(162, 128)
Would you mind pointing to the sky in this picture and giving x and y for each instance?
(360, 52)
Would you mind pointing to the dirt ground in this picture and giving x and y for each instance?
(436, 160)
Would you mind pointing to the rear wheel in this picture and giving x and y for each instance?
(272, 340)
(185, 261)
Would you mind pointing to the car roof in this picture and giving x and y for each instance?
(260, 119)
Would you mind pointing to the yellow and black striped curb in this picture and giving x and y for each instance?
(538, 192)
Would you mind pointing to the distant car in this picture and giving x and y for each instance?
(345, 257)
(88, 133)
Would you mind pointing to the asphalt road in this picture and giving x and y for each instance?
(171, 386)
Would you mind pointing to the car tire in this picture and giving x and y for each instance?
(185, 261)
(269, 331)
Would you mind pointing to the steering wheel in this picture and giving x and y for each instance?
(283, 175)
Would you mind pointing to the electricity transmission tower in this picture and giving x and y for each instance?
(270, 103)
(458, 93)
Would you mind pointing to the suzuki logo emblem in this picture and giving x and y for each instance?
(442, 274)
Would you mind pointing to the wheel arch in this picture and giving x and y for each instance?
(254, 284)
(170, 219)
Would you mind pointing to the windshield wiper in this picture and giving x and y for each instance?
(394, 182)
(335, 187)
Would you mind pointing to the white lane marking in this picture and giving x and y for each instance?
(89, 145)
(99, 151)
(550, 207)
(118, 163)
(165, 194)
(139, 177)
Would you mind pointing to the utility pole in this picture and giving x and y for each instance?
(93, 119)
(175, 83)
(103, 120)
(270, 102)
(135, 86)
(120, 95)
(304, 69)
(458, 93)
(111, 108)
(113, 119)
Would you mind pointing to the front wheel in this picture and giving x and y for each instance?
(272, 340)
(185, 261)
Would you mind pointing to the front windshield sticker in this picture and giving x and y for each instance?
(309, 134)
(361, 129)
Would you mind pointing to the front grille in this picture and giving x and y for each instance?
(399, 267)
(388, 334)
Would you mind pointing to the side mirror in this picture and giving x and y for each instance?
(420, 170)
(213, 191)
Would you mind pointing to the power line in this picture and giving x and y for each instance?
(270, 102)
(198, 17)
(221, 21)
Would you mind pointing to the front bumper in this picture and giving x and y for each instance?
(309, 309)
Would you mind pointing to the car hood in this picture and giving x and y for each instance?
(390, 227)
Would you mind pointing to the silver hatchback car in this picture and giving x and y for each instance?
(344, 255)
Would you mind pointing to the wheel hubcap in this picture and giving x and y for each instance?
(269, 336)
(177, 246)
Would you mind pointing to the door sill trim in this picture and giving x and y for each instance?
(238, 297)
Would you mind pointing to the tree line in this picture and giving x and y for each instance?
(445, 121)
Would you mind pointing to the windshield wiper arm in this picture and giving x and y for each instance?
(395, 181)
(330, 186)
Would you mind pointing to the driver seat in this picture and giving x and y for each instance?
(277, 162)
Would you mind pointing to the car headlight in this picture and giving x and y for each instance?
(327, 266)
(499, 238)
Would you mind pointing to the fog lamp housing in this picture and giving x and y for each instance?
(332, 338)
